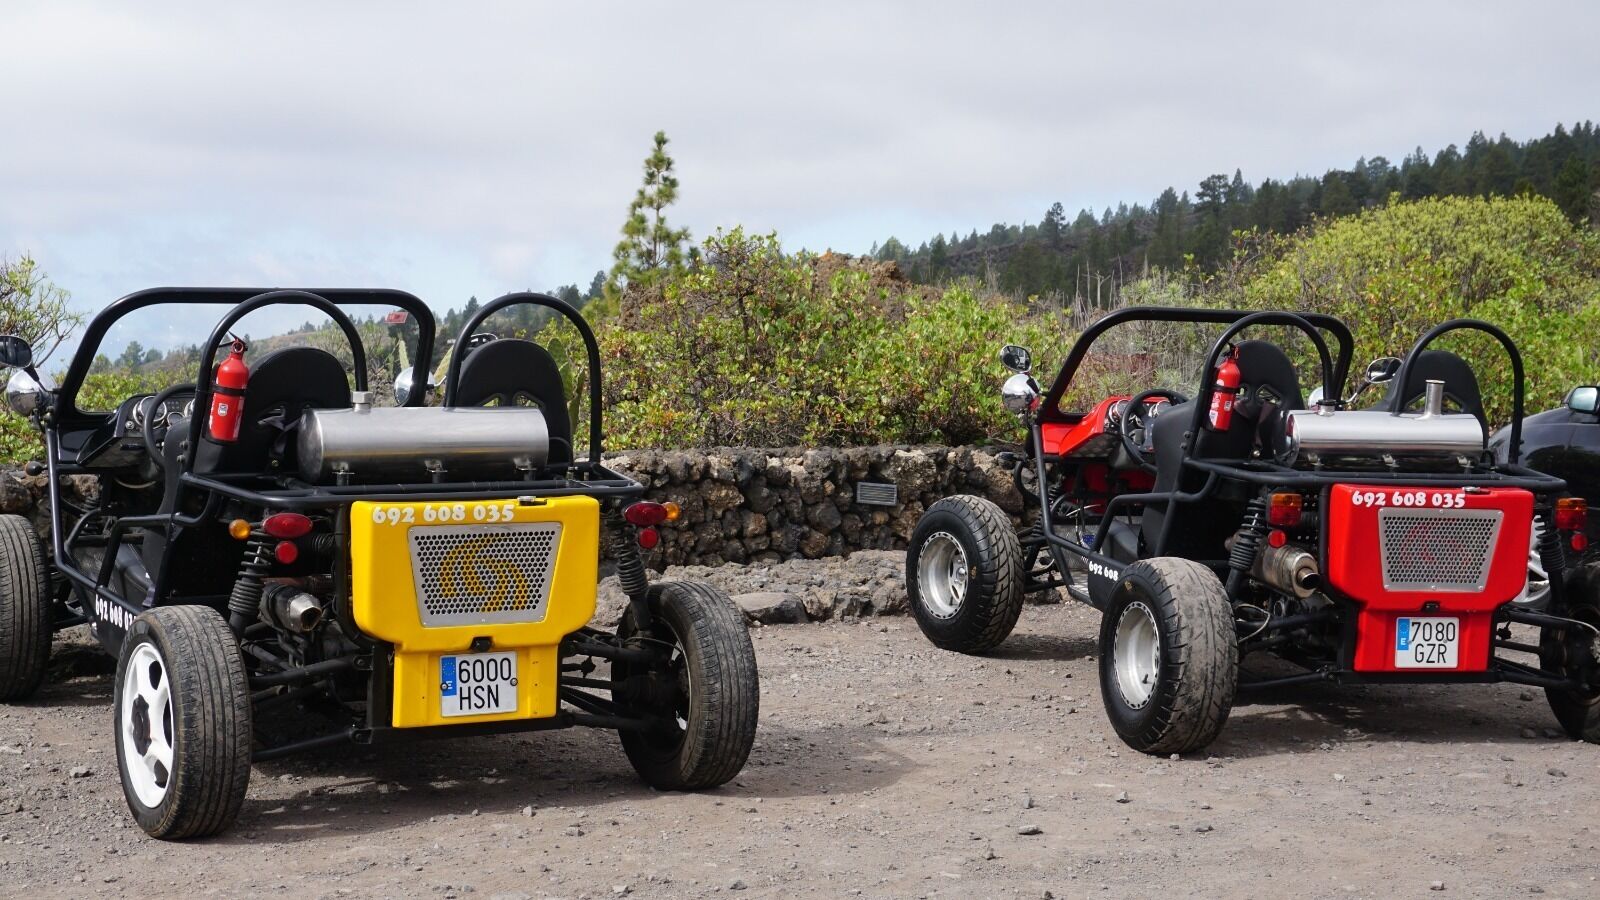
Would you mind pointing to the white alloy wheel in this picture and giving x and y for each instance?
(145, 725)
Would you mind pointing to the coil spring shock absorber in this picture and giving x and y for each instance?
(244, 602)
(630, 567)
(1550, 550)
(1247, 542)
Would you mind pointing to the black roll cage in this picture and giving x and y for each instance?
(285, 492)
(1260, 473)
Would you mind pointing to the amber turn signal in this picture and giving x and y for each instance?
(1283, 510)
(238, 529)
(1571, 513)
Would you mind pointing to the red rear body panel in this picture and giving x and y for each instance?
(1426, 551)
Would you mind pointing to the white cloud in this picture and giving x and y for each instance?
(473, 148)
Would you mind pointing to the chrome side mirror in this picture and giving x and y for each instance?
(1383, 369)
(1379, 371)
(404, 383)
(27, 395)
(1584, 399)
(1020, 393)
(1016, 358)
(15, 352)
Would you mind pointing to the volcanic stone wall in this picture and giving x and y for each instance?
(758, 505)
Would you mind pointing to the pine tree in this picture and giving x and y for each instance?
(650, 247)
(1572, 188)
(1055, 220)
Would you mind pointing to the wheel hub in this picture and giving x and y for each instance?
(146, 725)
(1136, 655)
(942, 575)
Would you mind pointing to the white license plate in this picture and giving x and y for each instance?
(478, 684)
(1433, 643)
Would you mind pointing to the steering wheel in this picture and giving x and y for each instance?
(147, 427)
(1136, 438)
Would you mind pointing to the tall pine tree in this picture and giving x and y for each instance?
(650, 247)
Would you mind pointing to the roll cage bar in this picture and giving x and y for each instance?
(282, 492)
(453, 376)
(1334, 369)
(65, 408)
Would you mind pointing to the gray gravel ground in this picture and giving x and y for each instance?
(883, 768)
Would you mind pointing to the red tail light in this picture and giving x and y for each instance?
(1283, 511)
(1572, 513)
(287, 526)
(649, 538)
(645, 514)
(286, 552)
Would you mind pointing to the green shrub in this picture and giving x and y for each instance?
(762, 348)
(1393, 272)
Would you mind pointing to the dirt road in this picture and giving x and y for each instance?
(884, 768)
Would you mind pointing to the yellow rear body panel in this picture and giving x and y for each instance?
(477, 577)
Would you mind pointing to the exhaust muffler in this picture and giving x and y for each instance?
(1289, 569)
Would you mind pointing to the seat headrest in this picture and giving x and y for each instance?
(507, 370)
(1460, 384)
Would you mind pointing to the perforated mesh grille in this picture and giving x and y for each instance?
(466, 574)
(1437, 549)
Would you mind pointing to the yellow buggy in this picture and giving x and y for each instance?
(268, 537)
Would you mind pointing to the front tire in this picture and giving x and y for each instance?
(964, 574)
(183, 725)
(25, 614)
(1169, 658)
(707, 697)
(1576, 652)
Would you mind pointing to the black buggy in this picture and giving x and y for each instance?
(266, 539)
(1378, 544)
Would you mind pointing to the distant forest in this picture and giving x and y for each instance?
(1087, 258)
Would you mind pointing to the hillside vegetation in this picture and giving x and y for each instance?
(761, 348)
(1090, 258)
(741, 343)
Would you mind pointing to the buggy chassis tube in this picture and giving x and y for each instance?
(1273, 475)
(1310, 322)
(1333, 377)
(208, 354)
(65, 412)
(97, 586)
(1518, 384)
(365, 736)
(311, 497)
(468, 328)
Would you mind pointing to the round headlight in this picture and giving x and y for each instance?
(1020, 393)
(26, 396)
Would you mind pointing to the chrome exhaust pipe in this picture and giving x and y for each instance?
(291, 608)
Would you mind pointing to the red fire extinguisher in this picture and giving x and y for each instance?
(227, 395)
(1225, 392)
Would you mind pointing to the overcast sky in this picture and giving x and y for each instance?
(460, 148)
